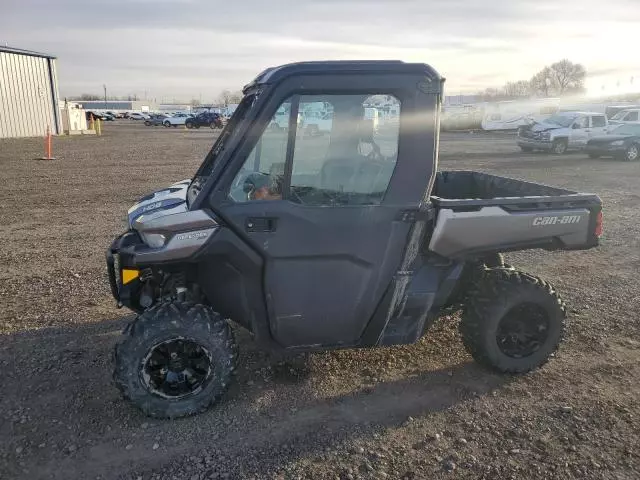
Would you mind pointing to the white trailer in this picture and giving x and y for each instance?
(511, 114)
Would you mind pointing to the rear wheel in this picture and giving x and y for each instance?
(593, 155)
(632, 153)
(513, 321)
(559, 146)
(177, 359)
(526, 149)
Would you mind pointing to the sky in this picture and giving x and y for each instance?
(194, 49)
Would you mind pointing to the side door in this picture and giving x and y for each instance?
(318, 211)
(598, 126)
(579, 135)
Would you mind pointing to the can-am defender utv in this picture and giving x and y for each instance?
(344, 238)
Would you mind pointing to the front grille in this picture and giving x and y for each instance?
(528, 133)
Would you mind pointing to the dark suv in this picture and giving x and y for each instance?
(205, 119)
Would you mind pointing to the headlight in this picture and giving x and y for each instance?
(154, 240)
(617, 143)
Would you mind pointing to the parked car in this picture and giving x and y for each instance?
(562, 131)
(105, 117)
(138, 116)
(612, 110)
(155, 120)
(630, 115)
(175, 120)
(621, 142)
(115, 115)
(204, 119)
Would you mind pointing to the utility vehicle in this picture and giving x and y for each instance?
(348, 239)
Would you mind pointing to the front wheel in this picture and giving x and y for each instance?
(188, 125)
(593, 155)
(177, 359)
(167, 124)
(512, 322)
(526, 149)
(559, 147)
(147, 123)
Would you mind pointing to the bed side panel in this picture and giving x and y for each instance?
(490, 229)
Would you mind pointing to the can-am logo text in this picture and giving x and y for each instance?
(560, 220)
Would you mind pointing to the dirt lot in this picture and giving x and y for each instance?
(422, 411)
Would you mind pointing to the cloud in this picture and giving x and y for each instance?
(187, 48)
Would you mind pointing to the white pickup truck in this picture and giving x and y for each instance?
(562, 131)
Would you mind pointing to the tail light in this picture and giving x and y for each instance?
(599, 226)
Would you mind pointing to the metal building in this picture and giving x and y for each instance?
(28, 94)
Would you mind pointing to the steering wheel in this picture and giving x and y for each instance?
(252, 182)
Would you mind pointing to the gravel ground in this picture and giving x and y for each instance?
(410, 412)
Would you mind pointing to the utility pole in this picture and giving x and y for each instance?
(105, 96)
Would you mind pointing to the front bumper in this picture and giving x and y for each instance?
(534, 143)
(120, 257)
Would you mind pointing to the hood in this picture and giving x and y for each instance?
(166, 201)
(544, 127)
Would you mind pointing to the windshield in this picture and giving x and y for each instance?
(562, 120)
(628, 129)
(620, 115)
(233, 127)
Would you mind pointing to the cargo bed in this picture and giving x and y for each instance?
(479, 213)
(464, 189)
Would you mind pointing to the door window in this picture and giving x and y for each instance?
(346, 149)
(262, 175)
(598, 121)
(344, 152)
(631, 117)
(582, 122)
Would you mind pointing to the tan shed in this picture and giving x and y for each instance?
(28, 94)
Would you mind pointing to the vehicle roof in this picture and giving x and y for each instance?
(275, 74)
(577, 112)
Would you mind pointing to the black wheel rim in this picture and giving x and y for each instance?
(523, 330)
(176, 368)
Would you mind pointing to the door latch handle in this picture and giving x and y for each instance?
(260, 224)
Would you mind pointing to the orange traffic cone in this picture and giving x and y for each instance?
(47, 146)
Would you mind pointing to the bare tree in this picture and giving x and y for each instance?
(559, 78)
(540, 83)
(521, 88)
(567, 77)
(227, 97)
